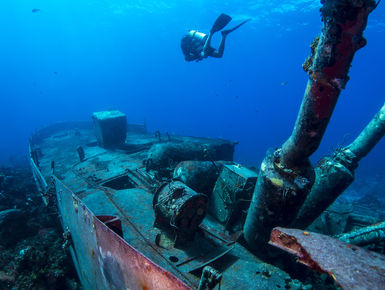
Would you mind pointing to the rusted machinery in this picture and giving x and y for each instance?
(179, 210)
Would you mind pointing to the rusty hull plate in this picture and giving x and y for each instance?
(102, 258)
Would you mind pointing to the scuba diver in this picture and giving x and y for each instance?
(196, 45)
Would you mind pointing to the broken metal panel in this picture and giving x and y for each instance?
(103, 259)
(350, 266)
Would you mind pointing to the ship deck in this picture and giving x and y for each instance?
(115, 183)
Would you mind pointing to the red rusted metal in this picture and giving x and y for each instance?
(328, 67)
(350, 266)
(124, 267)
(103, 259)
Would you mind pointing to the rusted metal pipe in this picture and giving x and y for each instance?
(328, 67)
(334, 174)
(286, 176)
(364, 236)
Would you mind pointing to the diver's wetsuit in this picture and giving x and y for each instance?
(198, 46)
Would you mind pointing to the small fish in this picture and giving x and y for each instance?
(333, 276)
(284, 83)
(35, 10)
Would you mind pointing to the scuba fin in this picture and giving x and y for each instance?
(234, 28)
(220, 23)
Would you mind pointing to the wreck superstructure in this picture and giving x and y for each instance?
(128, 226)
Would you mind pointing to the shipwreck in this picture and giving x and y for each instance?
(145, 210)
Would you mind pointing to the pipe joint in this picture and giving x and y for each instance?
(346, 157)
(279, 194)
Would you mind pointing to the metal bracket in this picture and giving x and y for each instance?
(210, 278)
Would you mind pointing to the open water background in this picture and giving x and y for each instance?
(74, 57)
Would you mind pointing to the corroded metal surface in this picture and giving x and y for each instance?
(179, 209)
(103, 259)
(230, 198)
(350, 266)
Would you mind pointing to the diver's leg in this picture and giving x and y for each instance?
(234, 28)
(221, 49)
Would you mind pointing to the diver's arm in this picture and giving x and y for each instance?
(207, 45)
(219, 53)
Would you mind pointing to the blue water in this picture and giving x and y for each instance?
(75, 57)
